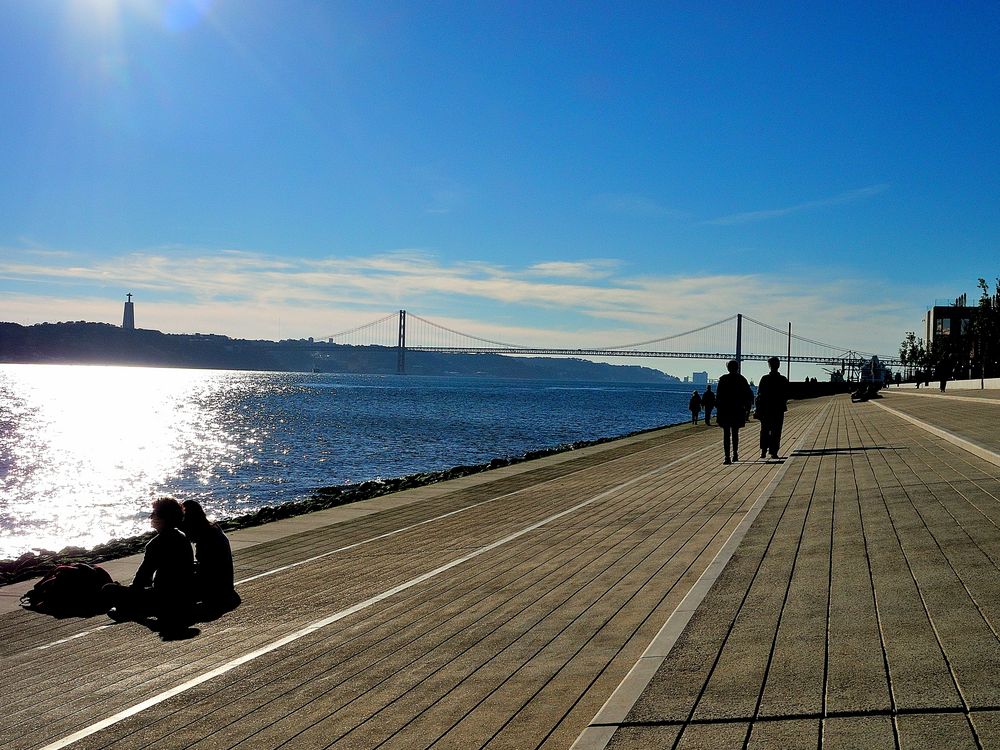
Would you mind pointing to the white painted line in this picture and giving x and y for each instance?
(430, 520)
(371, 539)
(335, 617)
(71, 638)
(974, 399)
(387, 534)
(602, 727)
(978, 450)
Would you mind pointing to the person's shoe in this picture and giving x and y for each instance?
(736, 458)
(117, 615)
(763, 454)
(775, 456)
(727, 462)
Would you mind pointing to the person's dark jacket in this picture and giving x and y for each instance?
(167, 566)
(733, 400)
(772, 396)
(694, 405)
(215, 563)
(708, 400)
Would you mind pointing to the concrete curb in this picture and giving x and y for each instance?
(977, 450)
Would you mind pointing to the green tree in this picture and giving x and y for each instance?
(986, 329)
(912, 354)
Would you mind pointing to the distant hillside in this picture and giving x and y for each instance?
(101, 343)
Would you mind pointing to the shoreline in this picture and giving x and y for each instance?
(38, 563)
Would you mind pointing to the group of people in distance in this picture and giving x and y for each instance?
(175, 584)
(735, 401)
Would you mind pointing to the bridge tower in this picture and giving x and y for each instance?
(739, 341)
(401, 345)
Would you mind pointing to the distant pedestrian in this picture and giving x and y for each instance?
(772, 402)
(695, 406)
(708, 404)
(943, 373)
(733, 399)
(899, 379)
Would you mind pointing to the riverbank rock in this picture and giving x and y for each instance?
(37, 563)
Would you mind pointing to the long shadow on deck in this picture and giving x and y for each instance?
(834, 451)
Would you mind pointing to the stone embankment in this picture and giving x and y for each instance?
(37, 563)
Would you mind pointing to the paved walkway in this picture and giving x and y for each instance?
(862, 608)
(497, 611)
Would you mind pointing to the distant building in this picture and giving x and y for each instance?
(699, 378)
(947, 318)
(687, 379)
(128, 319)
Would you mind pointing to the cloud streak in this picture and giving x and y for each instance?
(572, 304)
(774, 213)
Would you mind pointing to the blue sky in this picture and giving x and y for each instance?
(552, 173)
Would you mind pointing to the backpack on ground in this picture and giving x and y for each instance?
(71, 590)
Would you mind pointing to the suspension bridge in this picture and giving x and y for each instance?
(738, 337)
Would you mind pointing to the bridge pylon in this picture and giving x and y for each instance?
(739, 342)
(401, 345)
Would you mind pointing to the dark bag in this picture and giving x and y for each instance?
(71, 590)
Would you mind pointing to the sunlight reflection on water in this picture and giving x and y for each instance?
(84, 449)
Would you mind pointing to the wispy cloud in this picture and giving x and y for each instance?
(255, 295)
(583, 270)
(773, 213)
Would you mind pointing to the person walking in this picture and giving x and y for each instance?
(708, 404)
(772, 403)
(733, 400)
(695, 406)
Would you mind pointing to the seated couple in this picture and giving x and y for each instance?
(172, 584)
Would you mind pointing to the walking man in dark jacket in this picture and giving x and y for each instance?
(733, 399)
(695, 406)
(708, 404)
(772, 402)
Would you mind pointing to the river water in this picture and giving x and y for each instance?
(83, 449)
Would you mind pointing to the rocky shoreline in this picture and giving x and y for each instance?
(39, 562)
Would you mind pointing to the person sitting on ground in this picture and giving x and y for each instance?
(695, 406)
(163, 584)
(213, 583)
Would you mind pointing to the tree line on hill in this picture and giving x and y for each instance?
(104, 344)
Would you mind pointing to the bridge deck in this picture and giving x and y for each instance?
(503, 609)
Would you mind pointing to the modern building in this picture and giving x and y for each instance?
(948, 318)
(699, 378)
(128, 319)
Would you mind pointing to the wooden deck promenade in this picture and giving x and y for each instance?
(545, 604)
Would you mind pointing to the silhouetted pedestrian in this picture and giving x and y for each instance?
(772, 402)
(213, 572)
(695, 406)
(733, 399)
(163, 584)
(708, 404)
